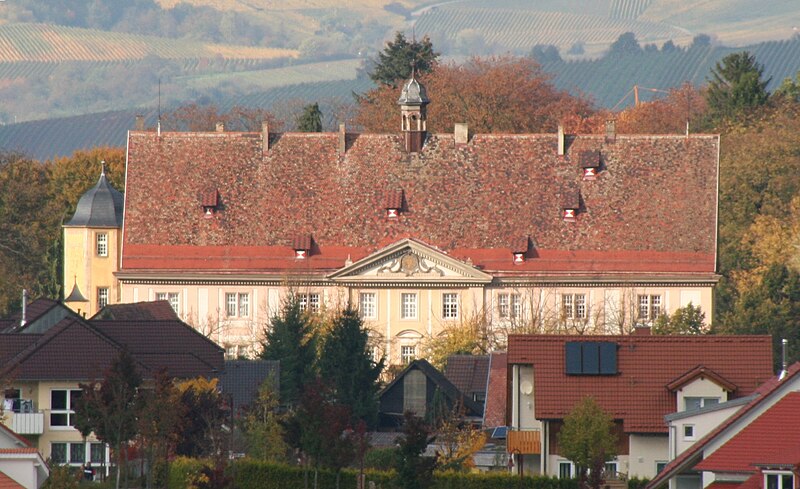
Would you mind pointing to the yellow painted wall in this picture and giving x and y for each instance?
(91, 271)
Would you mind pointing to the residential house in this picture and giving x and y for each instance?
(548, 232)
(756, 447)
(42, 362)
(637, 379)
(21, 465)
(469, 374)
(420, 389)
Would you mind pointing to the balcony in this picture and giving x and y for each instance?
(24, 419)
(27, 423)
(524, 442)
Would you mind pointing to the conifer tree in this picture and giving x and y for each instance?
(395, 61)
(311, 119)
(346, 365)
(290, 339)
(736, 86)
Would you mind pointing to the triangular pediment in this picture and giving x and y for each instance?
(410, 261)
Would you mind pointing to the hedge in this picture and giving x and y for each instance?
(253, 474)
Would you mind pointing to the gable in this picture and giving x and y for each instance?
(409, 261)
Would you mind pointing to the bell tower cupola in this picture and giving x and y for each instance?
(413, 102)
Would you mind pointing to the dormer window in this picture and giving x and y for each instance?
(519, 249)
(590, 162)
(571, 205)
(301, 244)
(210, 203)
(395, 200)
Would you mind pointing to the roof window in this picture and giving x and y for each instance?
(210, 202)
(590, 162)
(571, 205)
(394, 203)
(301, 244)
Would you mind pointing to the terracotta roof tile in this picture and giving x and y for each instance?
(7, 482)
(772, 438)
(394, 199)
(495, 411)
(764, 391)
(646, 365)
(521, 245)
(503, 184)
(301, 242)
(589, 159)
(210, 198)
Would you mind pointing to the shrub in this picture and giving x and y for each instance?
(380, 458)
(183, 471)
(637, 483)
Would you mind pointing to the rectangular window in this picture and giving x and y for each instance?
(237, 304)
(699, 402)
(516, 306)
(309, 302)
(98, 453)
(367, 302)
(409, 306)
(565, 470)
(574, 306)
(77, 453)
(62, 406)
(649, 307)
(610, 471)
(102, 297)
(503, 306)
(688, 432)
(778, 480)
(450, 306)
(172, 297)
(58, 453)
(102, 244)
(407, 354)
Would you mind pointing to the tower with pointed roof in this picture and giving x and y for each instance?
(413, 102)
(92, 242)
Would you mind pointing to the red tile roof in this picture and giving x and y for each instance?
(394, 199)
(764, 392)
(634, 217)
(494, 414)
(19, 450)
(701, 372)
(772, 438)
(301, 242)
(646, 365)
(7, 482)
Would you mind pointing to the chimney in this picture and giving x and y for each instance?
(611, 131)
(462, 133)
(220, 127)
(560, 140)
(785, 368)
(24, 308)
(342, 137)
(139, 122)
(264, 137)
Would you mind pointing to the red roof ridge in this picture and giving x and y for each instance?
(700, 371)
(770, 386)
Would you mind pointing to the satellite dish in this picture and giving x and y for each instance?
(526, 387)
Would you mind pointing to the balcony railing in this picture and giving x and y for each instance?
(524, 442)
(27, 423)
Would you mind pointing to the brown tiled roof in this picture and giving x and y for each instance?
(301, 242)
(469, 373)
(638, 394)
(589, 159)
(494, 414)
(11, 344)
(210, 198)
(655, 202)
(138, 311)
(170, 344)
(34, 310)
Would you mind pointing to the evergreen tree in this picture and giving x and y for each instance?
(290, 339)
(347, 366)
(396, 60)
(736, 86)
(587, 439)
(685, 320)
(414, 471)
(311, 119)
(263, 426)
(626, 44)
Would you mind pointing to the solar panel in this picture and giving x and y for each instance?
(500, 432)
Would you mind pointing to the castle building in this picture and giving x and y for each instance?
(422, 232)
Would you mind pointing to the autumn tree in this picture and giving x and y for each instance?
(736, 86)
(263, 425)
(457, 440)
(395, 62)
(291, 340)
(587, 439)
(157, 426)
(196, 117)
(311, 119)
(684, 320)
(497, 94)
(110, 408)
(669, 114)
(203, 411)
(472, 335)
(347, 366)
(414, 469)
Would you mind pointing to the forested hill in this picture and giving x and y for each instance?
(609, 79)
